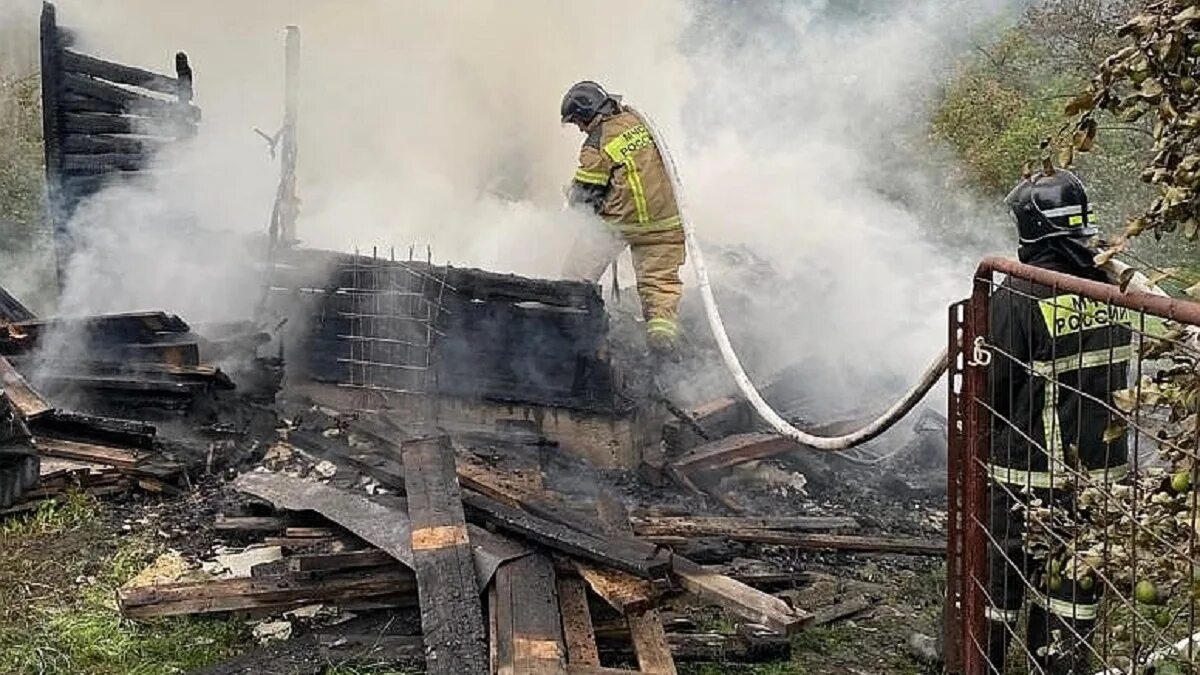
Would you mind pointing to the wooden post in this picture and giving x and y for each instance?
(287, 204)
(51, 48)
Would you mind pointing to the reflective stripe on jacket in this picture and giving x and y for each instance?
(620, 159)
(1059, 359)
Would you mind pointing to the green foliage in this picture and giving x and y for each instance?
(21, 167)
(51, 517)
(59, 571)
(1152, 80)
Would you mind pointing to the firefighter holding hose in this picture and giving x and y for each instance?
(622, 178)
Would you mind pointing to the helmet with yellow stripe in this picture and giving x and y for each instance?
(1051, 204)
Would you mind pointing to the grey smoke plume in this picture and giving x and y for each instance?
(436, 123)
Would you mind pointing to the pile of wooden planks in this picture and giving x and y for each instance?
(70, 450)
(123, 362)
(509, 577)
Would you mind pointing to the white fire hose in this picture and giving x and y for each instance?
(781, 426)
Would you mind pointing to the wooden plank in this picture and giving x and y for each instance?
(832, 542)
(378, 525)
(643, 562)
(115, 72)
(28, 402)
(100, 144)
(645, 626)
(339, 561)
(615, 643)
(738, 598)
(528, 631)
(451, 611)
(277, 592)
(650, 643)
(717, 526)
(12, 309)
(129, 101)
(248, 524)
(841, 610)
(87, 452)
(310, 532)
(578, 633)
(733, 450)
(102, 163)
(623, 592)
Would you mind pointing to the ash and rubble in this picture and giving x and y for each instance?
(262, 418)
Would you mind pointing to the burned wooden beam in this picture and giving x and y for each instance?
(716, 526)
(123, 458)
(85, 428)
(578, 633)
(12, 310)
(843, 542)
(525, 625)
(28, 402)
(738, 598)
(248, 524)
(75, 62)
(336, 562)
(623, 592)
(451, 611)
(614, 642)
(733, 450)
(276, 593)
(612, 552)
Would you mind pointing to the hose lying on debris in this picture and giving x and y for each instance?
(781, 426)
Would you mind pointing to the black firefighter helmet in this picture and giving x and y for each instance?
(584, 100)
(1050, 205)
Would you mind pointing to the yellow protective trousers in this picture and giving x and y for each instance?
(656, 257)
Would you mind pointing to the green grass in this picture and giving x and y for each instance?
(60, 568)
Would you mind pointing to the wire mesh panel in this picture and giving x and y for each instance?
(389, 309)
(1073, 442)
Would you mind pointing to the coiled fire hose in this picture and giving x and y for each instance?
(777, 423)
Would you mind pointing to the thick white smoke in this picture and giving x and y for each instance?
(436, 123)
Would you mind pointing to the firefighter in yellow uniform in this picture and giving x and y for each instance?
(622, 178)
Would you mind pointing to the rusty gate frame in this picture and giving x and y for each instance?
(969, 438)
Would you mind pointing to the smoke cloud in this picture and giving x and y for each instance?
(798, 127)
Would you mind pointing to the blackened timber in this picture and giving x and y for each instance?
(578, 632)
(615, 553)
(104, 163)
(528, 627)
(53, 130)
(732, 450)
(28, 402)
(127, 101)
(716, 526)
(101, 123)
(115, 72)
(270, 592)
(645, 626)
(12, 309)
(99, 144)
(96, 429)
(451, 611)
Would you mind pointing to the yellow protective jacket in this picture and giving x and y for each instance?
(622, 176)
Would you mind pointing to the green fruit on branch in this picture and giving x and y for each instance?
(1180, 482)
(1147, 593)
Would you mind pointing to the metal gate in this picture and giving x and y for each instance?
(1075, 552)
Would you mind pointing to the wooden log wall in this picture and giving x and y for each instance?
(101, 119)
